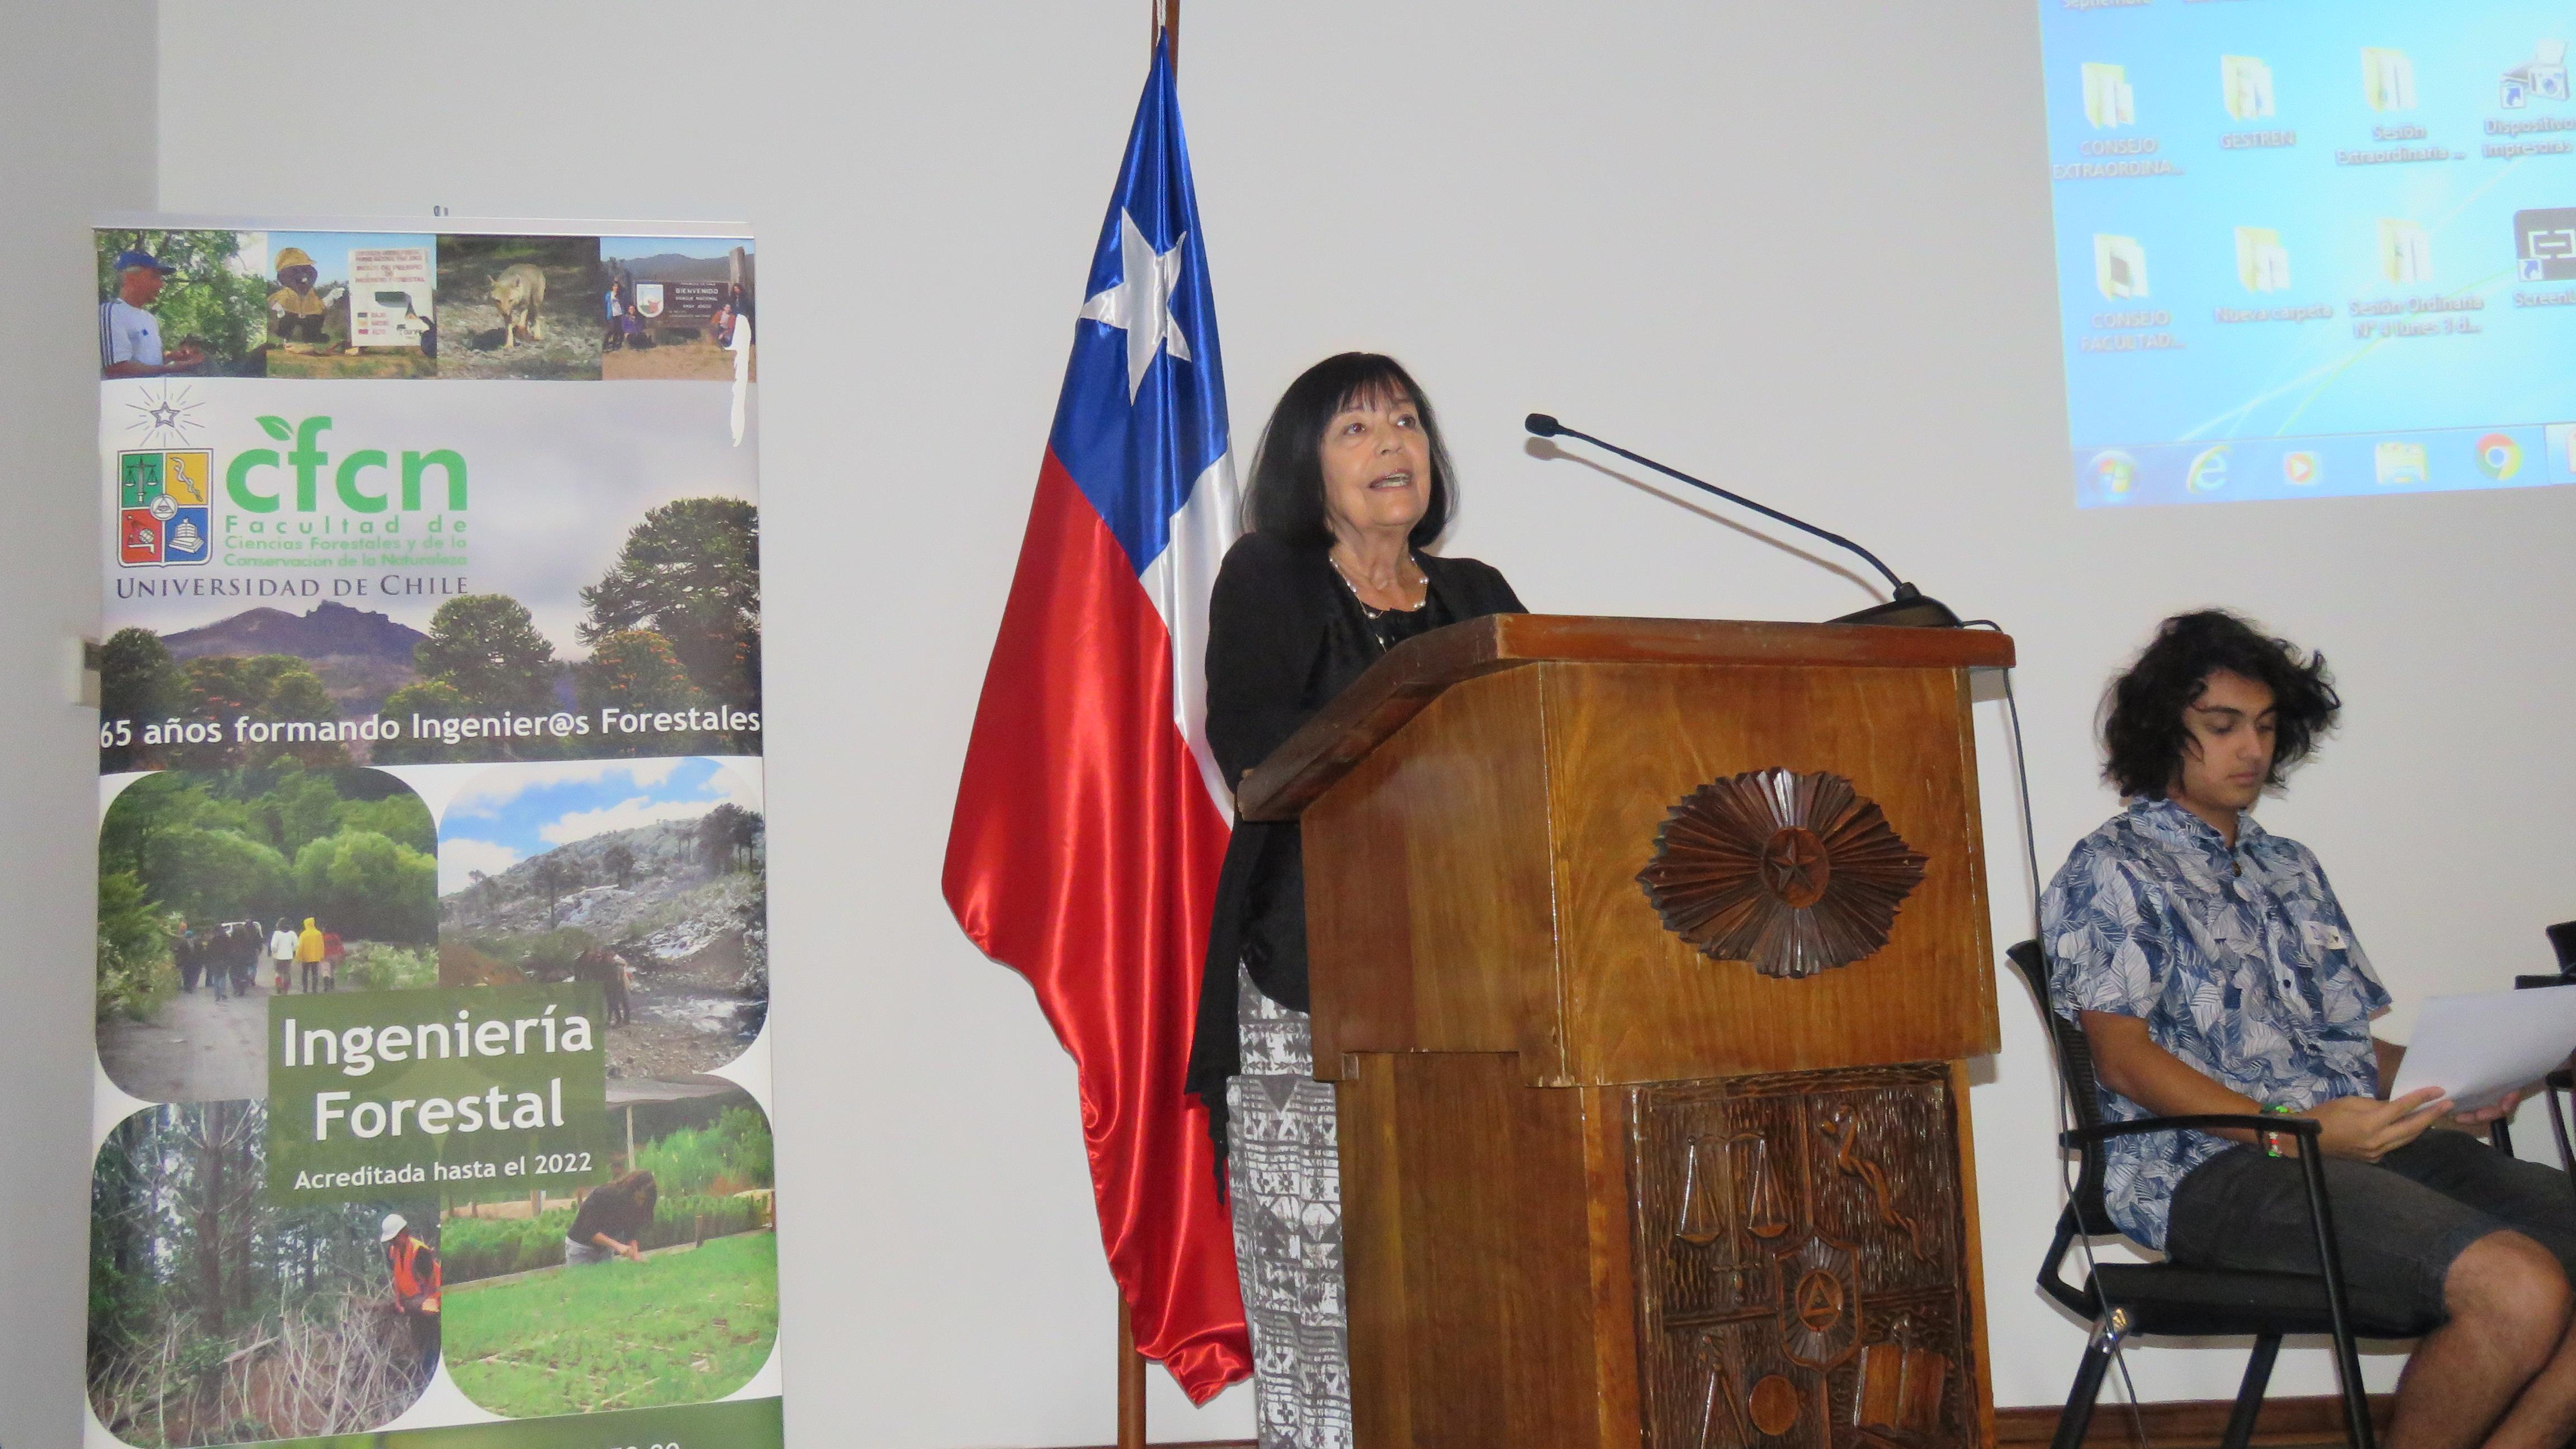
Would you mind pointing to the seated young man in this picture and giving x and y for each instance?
(2213, 971)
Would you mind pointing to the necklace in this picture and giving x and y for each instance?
(1372, 610)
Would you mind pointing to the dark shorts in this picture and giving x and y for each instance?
(2398, 1224)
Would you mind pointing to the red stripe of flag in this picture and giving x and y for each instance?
(1084, 855)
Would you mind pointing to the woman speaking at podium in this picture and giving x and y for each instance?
(1349, 486)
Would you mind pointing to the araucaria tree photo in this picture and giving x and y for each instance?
(215, 1319)
(483, 656)
(143, 689)
(675, 623)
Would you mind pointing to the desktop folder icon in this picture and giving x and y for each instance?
(2108, 101)
(2400, 465)
(2245, 84)
(2405, 253)
(2262, 263)
(2119, 267)
(2387, 79)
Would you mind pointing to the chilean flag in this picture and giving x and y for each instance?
(1092, 819)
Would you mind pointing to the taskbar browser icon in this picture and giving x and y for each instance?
(2499, 456)
(2208, 472)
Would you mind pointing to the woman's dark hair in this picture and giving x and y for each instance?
(640, 1191)
(2143, 734)
(1286, 496)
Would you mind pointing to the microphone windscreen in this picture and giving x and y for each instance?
(1542, 425)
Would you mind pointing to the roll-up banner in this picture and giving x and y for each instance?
(433, 978)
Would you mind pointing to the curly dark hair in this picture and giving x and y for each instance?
(2143, 734)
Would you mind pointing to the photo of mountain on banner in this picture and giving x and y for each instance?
(218, 1318)
(678, 308)
(221, 890)
(671, 629)
(648, 878)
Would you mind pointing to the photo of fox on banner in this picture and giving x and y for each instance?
(432, 852)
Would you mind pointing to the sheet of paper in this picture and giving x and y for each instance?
(2477, 1048)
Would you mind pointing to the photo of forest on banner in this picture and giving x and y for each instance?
(299, 569)
(216, 1318)
(432, 940)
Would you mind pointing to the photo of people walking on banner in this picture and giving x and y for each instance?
(219, 890)
(647, 877)
(217, 1319)
(659, 1286)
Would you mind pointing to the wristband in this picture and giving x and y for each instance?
(2272, 1141)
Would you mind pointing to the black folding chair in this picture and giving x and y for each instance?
(2562, 940)
(2122, 1300)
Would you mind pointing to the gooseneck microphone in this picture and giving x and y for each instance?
(1910, 606)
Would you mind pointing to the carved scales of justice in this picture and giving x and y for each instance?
(1646, 956)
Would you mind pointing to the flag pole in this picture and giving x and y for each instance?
(1131, 1383)
(1166, 15)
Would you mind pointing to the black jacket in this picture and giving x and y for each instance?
(1267, 619)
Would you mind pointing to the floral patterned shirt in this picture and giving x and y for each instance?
(2241, 962)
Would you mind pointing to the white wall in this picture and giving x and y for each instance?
(1803, 247)
(76, 136)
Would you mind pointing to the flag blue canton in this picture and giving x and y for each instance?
(1137, 445)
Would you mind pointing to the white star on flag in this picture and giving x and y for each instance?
(1141, 304)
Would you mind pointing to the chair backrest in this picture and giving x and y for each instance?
(2075, 1072)
(2562, 939)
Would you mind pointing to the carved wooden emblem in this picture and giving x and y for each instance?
(1800, 1269)
(1791, 874)
(1821, 1320)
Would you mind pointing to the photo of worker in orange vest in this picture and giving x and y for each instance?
(415, 1286)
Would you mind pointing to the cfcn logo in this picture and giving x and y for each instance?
(161, 506)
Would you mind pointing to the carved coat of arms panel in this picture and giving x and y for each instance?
(1799, 1262)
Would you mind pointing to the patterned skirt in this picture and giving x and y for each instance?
(1285, 1176)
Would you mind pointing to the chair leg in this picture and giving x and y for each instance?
(2558, 1130)
(2356, 1407)
(2077, 1416)
(2249, 1395)
(2356, 1403)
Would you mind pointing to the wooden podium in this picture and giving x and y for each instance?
(1646, 955)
